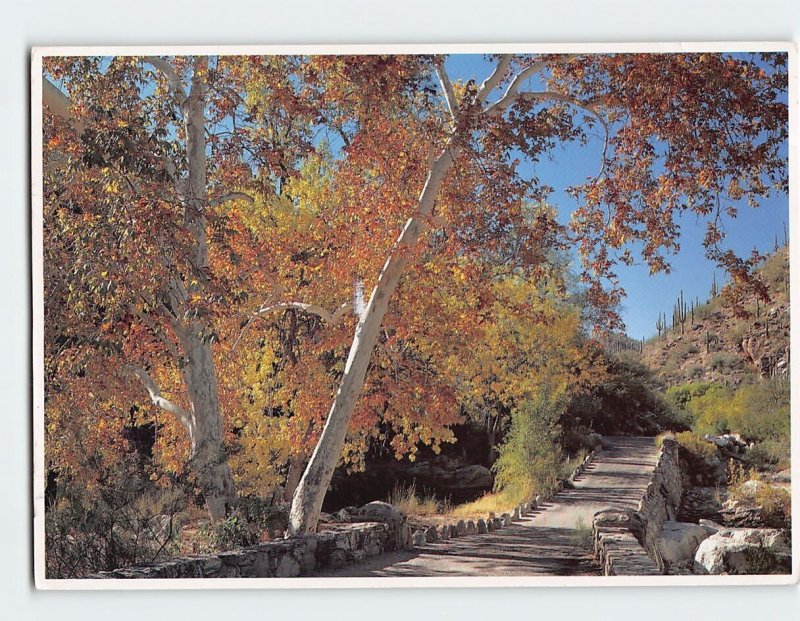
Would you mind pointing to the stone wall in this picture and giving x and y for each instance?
(626, 541)
(344, 544)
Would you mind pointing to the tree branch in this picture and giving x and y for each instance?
(313, 309)
(60, 105)
(511, 94)
(159, 401)
(168, 71)
(490, 83)
(585, 106)
(159, 333)
(447, 88)
(230, 196)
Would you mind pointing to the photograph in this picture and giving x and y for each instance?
(412, 315)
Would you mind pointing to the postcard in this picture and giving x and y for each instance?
(413, 316)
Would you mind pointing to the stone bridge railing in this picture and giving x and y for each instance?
(626, 540)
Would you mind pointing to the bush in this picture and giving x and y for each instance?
(695, 444)
(530, 459)
(582, 535)
(721, 361)
(706, 406)
(696, 371)
(775, 502)
(627, 401)
(126, 521)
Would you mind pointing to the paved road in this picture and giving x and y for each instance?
(542, 544)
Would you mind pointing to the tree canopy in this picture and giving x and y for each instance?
(220, 232)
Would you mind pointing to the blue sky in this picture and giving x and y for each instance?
(691, 272)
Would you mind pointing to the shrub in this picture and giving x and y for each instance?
(721, 361)
(763, 560)
(627, 401)
(695, 444)
(530, 459)
(695, 371)
(126, 521)
(231, 533)
(775, 502)
(582, 535)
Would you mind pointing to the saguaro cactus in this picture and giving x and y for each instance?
(681, 312)
(660, 325)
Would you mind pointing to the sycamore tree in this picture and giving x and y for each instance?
(244, 240)
(146, 255)
(682, 133)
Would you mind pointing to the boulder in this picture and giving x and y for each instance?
(471, 528)
(379, 511)
(744, 551)
(711, 527)
(431, 536)
(418, 539)
(678, 542)
(481, 526)
(461, 528)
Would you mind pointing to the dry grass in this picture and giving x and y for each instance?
(407, 500)
(494, 502)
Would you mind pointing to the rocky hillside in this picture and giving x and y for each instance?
(718, 347)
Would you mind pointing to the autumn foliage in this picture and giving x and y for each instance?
(309, 168)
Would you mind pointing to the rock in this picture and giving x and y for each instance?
(744, 551)
(380, 511)
(431, 536)
(498, 523)
(418, 538)
(711, 527)
(515, 514)
(627, 519)
(490, 526)
(471, 528)
(679, 541)
(461, 528)
(444, 532)
(506, 519)
(784, 476)
(481, 526)
(701, 503)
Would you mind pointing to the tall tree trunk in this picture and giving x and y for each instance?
(307, 501)
(200, 376)
(209, 459)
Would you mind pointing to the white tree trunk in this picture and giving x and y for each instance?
(208, 459)
(307, 501)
